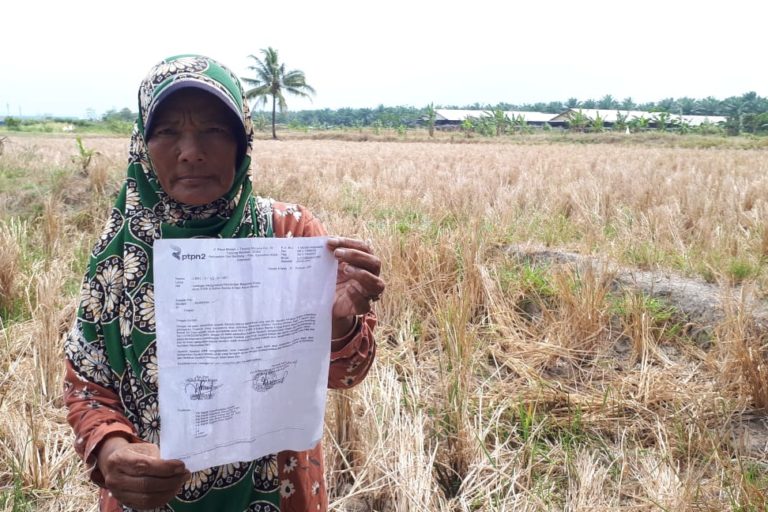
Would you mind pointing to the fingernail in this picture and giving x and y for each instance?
(340, 253)
(333, 241)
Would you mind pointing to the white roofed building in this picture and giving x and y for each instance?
(448, 117)
(610, 117)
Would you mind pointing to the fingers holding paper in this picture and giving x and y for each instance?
(137, 476)
(358, 283)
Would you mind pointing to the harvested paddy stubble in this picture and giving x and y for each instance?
(499, 385)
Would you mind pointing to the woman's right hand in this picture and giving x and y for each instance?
(136, 475)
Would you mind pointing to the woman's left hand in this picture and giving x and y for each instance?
(357, 283)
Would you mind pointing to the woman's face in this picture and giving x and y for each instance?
(192, 147)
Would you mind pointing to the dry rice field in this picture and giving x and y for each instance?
(500, 384)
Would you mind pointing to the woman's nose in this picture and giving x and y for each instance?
(190, 148)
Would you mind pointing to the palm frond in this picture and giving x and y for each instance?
(298, 92)
(282, 105)
(253, 82)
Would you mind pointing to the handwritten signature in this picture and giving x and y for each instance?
(201, 387)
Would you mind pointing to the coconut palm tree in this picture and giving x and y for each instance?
(627, 104)
(272, 79)
(608, 102)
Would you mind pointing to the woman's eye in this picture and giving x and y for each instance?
(217, 129)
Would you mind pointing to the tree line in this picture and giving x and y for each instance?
(748, 102)
(747, 113)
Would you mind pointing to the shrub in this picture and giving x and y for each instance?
(12, 123)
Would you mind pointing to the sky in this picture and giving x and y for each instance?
(64, 58)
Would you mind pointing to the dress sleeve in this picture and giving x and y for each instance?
(354, 357)
(353, 354)
(94, 410)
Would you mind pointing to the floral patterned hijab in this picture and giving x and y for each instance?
(113, 342)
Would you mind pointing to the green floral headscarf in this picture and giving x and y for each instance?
(113, 341)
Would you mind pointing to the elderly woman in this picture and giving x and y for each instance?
(188, 176)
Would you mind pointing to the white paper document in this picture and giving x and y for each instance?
(243, 343)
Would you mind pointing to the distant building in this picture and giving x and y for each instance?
(611, 117)
(699, 120)
(451, 117)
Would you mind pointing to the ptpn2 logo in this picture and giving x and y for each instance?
(176, 253)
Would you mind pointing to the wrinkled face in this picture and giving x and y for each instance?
(193, 147)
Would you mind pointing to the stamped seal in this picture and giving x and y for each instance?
(264, 380)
